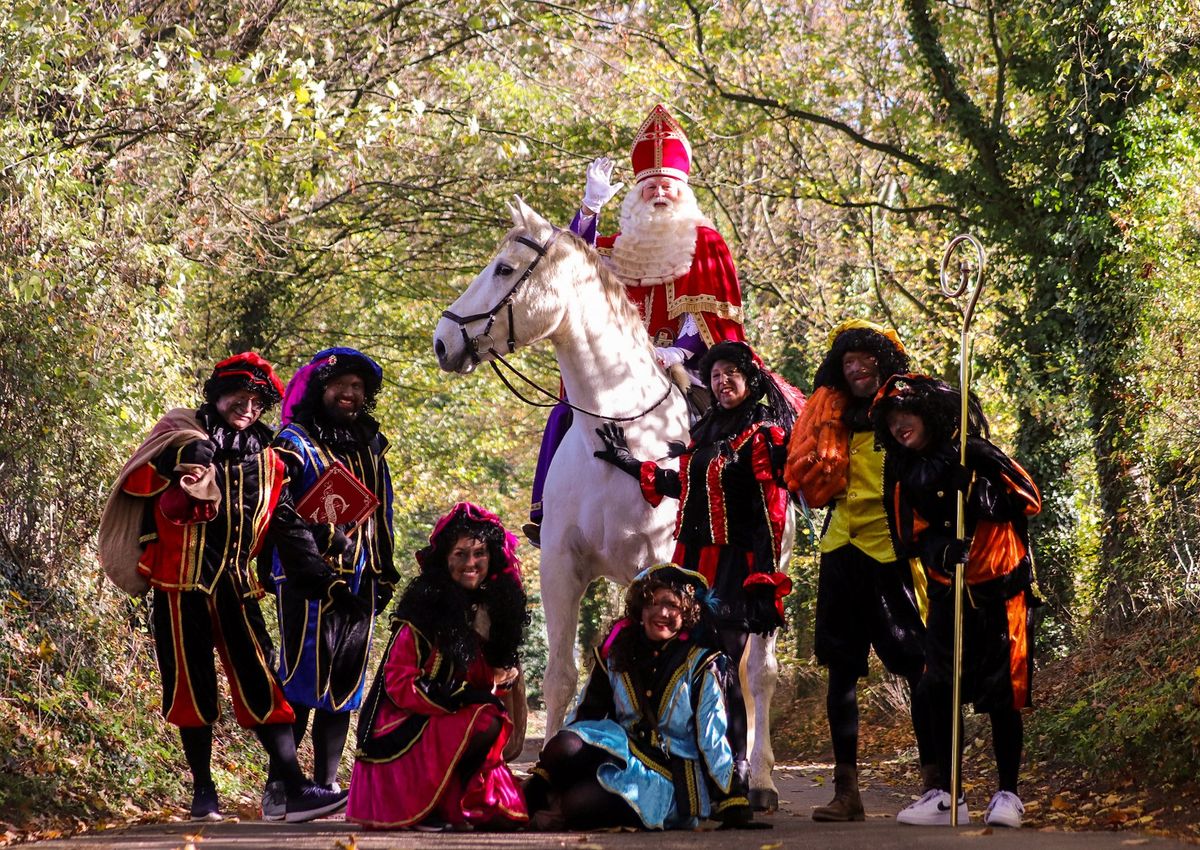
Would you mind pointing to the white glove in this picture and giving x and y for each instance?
(669, 355)
(599, 190)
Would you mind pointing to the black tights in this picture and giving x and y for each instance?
(477, 748)
(276, 739)
(841, 706)
(585, 803)
(197, 748)
(1008, 738)
(279, 742)
(329, 731)
(733, 644)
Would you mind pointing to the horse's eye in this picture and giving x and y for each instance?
(503, 269)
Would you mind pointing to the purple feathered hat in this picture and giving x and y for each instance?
(325, 366)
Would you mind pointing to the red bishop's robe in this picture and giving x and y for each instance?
(709, 291)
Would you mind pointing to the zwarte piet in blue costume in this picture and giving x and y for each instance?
(324, 651)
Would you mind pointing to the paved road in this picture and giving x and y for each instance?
(801, 787)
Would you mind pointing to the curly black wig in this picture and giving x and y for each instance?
(311, 405)
(890, 358)
(937, 403)
(759, 382)
(443, 610)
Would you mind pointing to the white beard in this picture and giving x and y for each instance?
(656, 245)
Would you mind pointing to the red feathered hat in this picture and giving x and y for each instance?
(244, 371)
(660, 147)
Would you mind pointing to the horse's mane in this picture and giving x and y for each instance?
(614, 289)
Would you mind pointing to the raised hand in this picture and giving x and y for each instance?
(599, 189)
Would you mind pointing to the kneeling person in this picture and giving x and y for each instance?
(432, 731)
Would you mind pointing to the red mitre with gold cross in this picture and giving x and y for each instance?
(660, 147)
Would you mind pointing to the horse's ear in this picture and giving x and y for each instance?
(514, 209)
(530, 219)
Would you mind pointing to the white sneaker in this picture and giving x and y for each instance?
(933, 809)
(1005, 809)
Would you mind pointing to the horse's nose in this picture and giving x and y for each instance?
(439, 348)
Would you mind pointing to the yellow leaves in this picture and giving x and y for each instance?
(350, 843)
(1060, 804)
(46, 649)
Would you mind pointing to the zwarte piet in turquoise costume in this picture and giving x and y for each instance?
(646, 744)
(323, 651)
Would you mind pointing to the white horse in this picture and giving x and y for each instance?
(596, 522)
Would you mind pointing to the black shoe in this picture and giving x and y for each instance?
(313, 802)
(204, 803)
(533, 533)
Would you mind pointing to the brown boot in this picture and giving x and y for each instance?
(929, 777)
(846, 804)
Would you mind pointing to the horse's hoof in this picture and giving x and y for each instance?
(764, 799)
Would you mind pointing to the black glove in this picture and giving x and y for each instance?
(199, 452)
(616, 450)
(762, 614)
(954, 553)
(479, 696)
(339, 544)
(676, 448)
(349, 603)
(383, 595)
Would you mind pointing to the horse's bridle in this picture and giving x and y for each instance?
(483, 342)
(475, 344)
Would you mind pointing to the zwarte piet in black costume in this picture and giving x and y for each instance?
(918, 419)
(732, 507)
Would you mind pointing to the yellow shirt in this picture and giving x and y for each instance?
(858, 516)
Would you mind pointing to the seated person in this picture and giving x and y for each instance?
(646, 744)
(432, 730)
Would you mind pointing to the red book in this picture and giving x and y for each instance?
(337, 497)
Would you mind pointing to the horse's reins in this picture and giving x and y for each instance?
(475, 344)
(557, 400)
